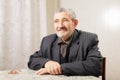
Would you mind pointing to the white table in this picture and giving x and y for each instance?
(26, 74)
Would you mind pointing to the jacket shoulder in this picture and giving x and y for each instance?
(50, 37)
(84, 33)
(48, 40)
(88, 35)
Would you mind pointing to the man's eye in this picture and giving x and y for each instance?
(65, 19)
(56, 21)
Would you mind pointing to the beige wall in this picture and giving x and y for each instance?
(51, 8)
(103, 18)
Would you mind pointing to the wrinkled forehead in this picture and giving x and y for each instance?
(61, 15)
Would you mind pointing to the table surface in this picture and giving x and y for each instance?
(27, 74)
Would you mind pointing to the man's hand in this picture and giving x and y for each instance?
(51, 67)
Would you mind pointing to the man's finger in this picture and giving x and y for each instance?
(41, 71)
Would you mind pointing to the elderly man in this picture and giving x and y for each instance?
(69, 51)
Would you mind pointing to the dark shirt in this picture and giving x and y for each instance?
(64, 45)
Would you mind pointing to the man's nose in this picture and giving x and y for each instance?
(61, 24)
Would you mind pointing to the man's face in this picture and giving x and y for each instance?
(63, 25)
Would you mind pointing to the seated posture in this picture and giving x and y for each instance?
(68, 52)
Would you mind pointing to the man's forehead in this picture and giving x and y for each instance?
(61, 15)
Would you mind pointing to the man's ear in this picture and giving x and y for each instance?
(75, 22)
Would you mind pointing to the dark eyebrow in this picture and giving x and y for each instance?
(65, 18)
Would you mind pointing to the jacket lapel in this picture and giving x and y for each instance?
(73, 51)
(56, 52)
(74, 46)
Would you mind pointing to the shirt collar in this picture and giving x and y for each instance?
(66, 42)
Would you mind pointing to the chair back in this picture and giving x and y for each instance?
(104, 69)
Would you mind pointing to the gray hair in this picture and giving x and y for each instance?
(69, 11)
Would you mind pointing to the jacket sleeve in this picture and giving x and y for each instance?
(37, 61)
(91, 65)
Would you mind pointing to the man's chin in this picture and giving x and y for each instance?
(61, 35)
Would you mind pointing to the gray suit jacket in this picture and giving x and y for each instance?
(83, 59)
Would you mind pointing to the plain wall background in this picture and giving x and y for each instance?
(101, 17)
